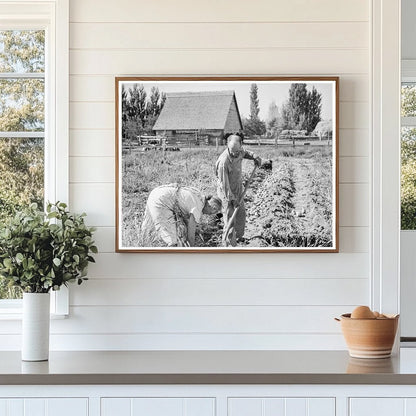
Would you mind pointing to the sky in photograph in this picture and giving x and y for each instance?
(277, 91)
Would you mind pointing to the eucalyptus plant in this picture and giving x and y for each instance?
(42, 251)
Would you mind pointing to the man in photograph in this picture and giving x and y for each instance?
(172, 212)
(228, 170)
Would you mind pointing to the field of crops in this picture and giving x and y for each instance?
(289, 206)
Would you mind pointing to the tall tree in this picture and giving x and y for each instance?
(273, 121)
(140, 110)
(298, 104)
(125, 104)
(302, 111)
(162, 100)
(408, 161)
(154, 106)
(273, 112)
(313, 115)
(138, 104)
(253, 125)
(254, 102)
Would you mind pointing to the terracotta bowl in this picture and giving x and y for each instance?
(369, 366)
(369, 338)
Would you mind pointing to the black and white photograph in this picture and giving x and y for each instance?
(233, 164)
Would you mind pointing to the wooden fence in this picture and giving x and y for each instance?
(147, 142)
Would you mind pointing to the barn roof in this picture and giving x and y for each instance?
(195, 110)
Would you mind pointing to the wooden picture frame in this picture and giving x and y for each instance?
(172, 131)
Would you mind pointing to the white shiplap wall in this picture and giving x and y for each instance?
(251, 301)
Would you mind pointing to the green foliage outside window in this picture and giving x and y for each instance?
(408, 160)
(21, 110)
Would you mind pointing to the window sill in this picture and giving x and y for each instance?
(12, 315)
(12, 309)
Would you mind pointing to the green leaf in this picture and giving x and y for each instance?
(37, 253)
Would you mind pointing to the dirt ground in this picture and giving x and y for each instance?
(289, 206)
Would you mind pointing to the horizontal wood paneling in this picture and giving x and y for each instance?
(354, 205)
(218, 35)
(215, 301)
(92, 143)
(352, 239)
(91, 169)
(277, 265)
(221, 61)
(92, 115)
(200, 319)
(96, 199)
(219, 11)
(354, 115)
(105, 238)
(194, 319)
(101, 88)
(354, 170)
(354, 142)
(192, 341)
(218, 291)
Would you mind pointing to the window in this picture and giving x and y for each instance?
(408, 155)
(33, 113)
(22, 124)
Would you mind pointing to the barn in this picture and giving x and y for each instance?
(198, 118)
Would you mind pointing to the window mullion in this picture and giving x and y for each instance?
(408, 121)
(23, 134)
(22, 75)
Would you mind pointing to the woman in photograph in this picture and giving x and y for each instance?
(172, 213)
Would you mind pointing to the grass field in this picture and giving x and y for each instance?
(290, 206)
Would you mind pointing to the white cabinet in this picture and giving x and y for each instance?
(44, 407)
(281, 406)
(159, 406)
(382, 406)
(208, 400)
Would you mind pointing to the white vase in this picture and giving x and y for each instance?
(35, 326)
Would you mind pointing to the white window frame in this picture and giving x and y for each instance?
(53, 17)
(385, 156)
(408, 75)
(407, 236)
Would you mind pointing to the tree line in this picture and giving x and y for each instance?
(140, 111)
(408, 161)
(301, 111)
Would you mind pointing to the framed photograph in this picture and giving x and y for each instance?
(227, 164)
